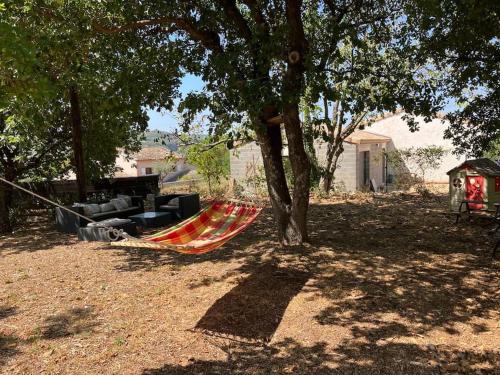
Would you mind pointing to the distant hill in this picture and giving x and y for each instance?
(158, 138)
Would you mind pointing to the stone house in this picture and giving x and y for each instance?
(363, 158)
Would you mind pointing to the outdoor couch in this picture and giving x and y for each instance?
(181, 205)
(67, 222)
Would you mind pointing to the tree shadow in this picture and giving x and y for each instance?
(287, 356)
(73, 322)
(38, 234)
(254, 308)
(8, 343)
(377, 350)
(290, 357)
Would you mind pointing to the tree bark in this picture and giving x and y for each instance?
(79, 161)
(332, 157)
(6, 202)
(301, 168)
(5, 225)
(269, 138)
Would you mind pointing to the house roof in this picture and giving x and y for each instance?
(155, 153)
(364, 137)
(483, 166)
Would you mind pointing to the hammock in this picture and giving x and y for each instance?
(208, 230)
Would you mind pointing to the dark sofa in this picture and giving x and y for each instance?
(66, 222)
(181, 205)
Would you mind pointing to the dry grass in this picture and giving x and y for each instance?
(388, 286)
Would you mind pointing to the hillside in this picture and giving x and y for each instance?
(155, 138)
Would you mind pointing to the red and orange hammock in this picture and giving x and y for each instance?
(208, 230)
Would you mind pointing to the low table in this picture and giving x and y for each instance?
(152, 219)
(99, 231)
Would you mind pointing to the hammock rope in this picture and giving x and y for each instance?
(204, 232)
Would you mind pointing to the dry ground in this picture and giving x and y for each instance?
(388, 286)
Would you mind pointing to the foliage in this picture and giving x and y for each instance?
(63, 51)
(462, 39)
(372, 72)
(412, 164)
(211, 161)
(493, 150)
(164, 167)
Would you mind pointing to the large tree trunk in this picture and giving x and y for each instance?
(269, 138)
(301, 168)
(76, 123)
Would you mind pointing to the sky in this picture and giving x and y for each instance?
(166, 120)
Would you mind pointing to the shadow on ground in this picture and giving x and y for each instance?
(254, 308)
(290, 357)
(39, 234)
(73, 322)
(8, 343)
(402, 258)
(389, 270)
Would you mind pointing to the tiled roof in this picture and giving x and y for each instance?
(155, 153)
(483, 166)
(362, 136)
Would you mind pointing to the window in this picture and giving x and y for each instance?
(149, 170)
(366, 167)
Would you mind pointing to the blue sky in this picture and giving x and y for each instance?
(166, 120)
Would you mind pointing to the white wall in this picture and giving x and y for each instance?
(431, 133)
(345, 175)
(126, 167)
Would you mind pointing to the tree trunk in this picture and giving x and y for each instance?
(301, 168)
(332, 157)
(6, 202)
(76, 123)
(269, 138)
(5, 225)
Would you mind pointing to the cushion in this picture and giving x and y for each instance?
(109, 222)
(91, 209)
(127, 198)
(174, 202)
(107, 207)
(130, 210)
(119, 203)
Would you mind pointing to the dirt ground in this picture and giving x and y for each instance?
(389, 285)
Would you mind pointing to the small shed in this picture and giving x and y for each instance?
(475, 180)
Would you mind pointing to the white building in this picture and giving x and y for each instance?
(362, 160)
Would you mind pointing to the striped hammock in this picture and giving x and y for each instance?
(208, 230)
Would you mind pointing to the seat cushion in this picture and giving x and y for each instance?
(91, 209)
(119, 203)
(107, 207)
(127, 198)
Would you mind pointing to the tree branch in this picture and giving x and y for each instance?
(234, 15)
(257, 14)
(209, 39)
